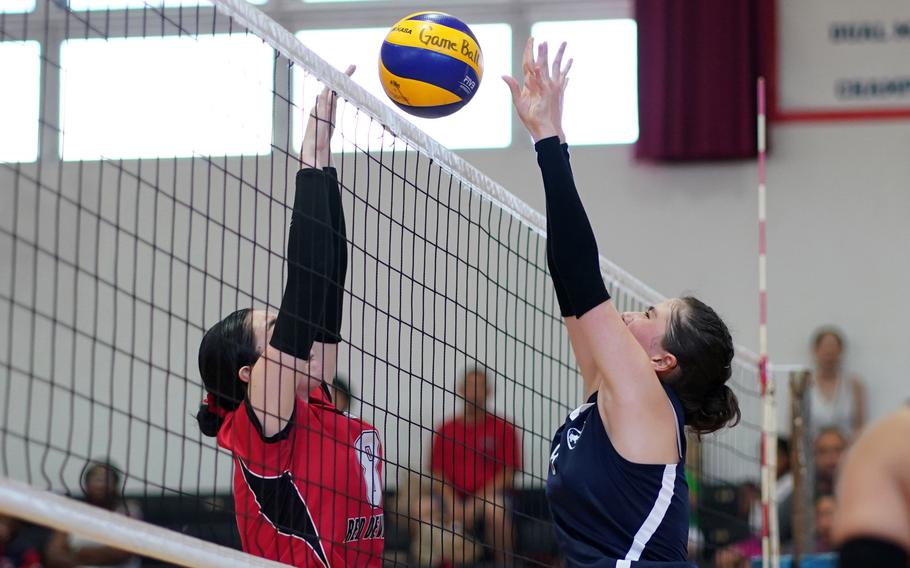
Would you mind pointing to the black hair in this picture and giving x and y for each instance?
(114, 474)
(95, 465)
(226, 347)
(703, 348)
(823, 332)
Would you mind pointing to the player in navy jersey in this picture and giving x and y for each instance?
(307, 477)
(616, 483)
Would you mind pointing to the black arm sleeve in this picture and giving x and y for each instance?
(565, 305)
(331, 330)
(572, 254)
(310, 255)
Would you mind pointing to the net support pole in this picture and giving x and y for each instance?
(799, 465)
(770, 537)
(118, 531)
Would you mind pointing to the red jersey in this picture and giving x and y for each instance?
(312, 494)
(469, 455)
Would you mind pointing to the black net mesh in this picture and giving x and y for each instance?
(114, 265)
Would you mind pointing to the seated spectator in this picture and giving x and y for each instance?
(836, 399)
(101, 483)
(342, 394)
(437, 539)
(783, 496)
(828, 453)
(825, 507)
(20, 547)
(475, 455)
(737, 555)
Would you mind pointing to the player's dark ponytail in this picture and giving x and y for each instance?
(703, 348)
(226, 347)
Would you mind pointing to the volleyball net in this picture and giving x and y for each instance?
(113, 264)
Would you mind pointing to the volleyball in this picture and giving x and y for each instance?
(430, 64)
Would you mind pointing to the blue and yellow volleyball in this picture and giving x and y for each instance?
(430, 64)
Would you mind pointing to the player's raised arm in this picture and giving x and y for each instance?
(303, 342)
(630, 358)
(316, 153)
(572, 253)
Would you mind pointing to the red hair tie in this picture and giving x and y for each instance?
(209, 402)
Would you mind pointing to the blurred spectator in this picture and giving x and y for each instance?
(437, 539)
(828, 453)
(783, 496)
(835, 399)
(737, 555)
(476, 455)
(101, 483)
(342, 393)
(824, 522)
(19, 546)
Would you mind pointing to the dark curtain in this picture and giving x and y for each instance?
(698, 62)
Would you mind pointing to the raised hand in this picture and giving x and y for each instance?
(539, 99)
(316, 151)
(560, 75)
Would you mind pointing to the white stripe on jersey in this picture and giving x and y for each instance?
(661, 504)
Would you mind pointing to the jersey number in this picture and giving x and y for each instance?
(368, 449)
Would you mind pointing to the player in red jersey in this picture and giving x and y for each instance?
(307, 477)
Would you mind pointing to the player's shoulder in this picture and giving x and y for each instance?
(883, 440)
(501, 422)
(449, 425)
(355, 423)
(894, 427)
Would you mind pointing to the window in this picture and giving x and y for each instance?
(13, 6)
(171, 96)
(20, 69)
(601, 104)
(485, 122)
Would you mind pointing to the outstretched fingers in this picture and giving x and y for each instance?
(542, 63)
(527, 59)
(556, 71)
(324, 110)
(513, 87)
(333, 102)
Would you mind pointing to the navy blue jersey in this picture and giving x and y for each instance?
(609, 511)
